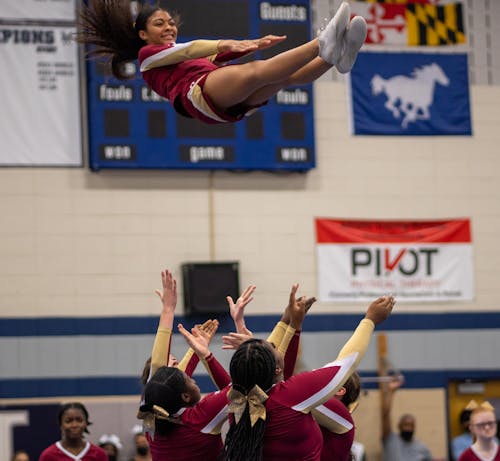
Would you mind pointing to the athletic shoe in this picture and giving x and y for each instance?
(353, 40)
(331, 39)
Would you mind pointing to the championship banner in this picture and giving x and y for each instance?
(37, 10)
(410, 94)
(412, 24)
(414, 261)
(40, 95)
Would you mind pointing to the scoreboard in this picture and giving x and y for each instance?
(130, 126)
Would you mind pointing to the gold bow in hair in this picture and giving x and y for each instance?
(255, 399)
(472, 405)
(150, 417)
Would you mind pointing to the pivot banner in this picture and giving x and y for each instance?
(414, 261)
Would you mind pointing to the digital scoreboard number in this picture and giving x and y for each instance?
(132, 127)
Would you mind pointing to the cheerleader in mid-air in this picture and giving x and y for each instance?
(192, 76)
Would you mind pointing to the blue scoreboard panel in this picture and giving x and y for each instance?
(132, 127)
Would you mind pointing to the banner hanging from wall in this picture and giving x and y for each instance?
(410, 94)
(37, 10)
(415, 261)
(41, 107)
(411, 23)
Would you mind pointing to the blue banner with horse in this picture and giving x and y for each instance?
(410, 94)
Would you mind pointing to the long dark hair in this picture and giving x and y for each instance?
(252, 364)
(109, 26)
(165, 389)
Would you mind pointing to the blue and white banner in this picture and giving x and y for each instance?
(410, 94)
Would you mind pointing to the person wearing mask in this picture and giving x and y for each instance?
(401, 446)
(142, 452)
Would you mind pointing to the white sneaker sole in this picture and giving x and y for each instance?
(331, 39)
(354, 39)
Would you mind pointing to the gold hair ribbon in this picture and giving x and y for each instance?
(255, 399)
(473, 405)
(159, 412)
(150, 417)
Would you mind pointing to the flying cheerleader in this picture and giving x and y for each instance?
(194, 76)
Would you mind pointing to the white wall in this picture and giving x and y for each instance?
(79, 243)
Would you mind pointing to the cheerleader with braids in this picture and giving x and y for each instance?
(333, 416)
(193, 75)
(179, 424)
(272, 419)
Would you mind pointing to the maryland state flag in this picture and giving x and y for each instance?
(412, 24)
(435, 24)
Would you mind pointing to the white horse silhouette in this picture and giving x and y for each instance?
(410, 96)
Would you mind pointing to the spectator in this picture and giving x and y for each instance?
(463, 441)
(142, 452)
(402, 446)
(111, 444)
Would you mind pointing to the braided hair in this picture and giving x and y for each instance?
(165, 389)
(252, 364)
(110, 27)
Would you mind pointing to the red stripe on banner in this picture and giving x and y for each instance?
(346, 231)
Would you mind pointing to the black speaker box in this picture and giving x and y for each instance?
(206, 286)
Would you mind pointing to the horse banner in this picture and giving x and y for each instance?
(414, 260)
(412, 24)
(410, 94)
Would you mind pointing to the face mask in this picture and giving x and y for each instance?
(142, 450)
(406, 435)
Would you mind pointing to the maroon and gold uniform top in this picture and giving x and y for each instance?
(471, 455)
(178, 71)
(56, 452)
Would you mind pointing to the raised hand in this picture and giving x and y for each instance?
(380, 309)
(209, 328)
(197, 340)
(306, 302)
(237, 310)
(234, 340)
(296, 309)
(168, 295)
